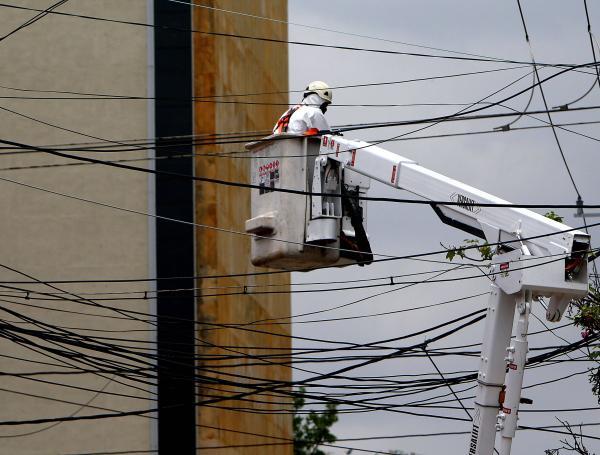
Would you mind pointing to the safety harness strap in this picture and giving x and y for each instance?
(284, 121)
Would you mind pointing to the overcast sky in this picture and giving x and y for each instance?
(520, 166)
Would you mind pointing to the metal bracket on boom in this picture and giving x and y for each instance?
(326, 211)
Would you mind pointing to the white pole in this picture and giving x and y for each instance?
(492, 369)
(517, 357)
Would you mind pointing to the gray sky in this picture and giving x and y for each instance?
(521, 166)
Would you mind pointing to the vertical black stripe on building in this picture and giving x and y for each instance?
(174, 241)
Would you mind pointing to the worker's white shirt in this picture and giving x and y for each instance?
(308, 116)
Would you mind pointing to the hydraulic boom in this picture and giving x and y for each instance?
(535, 256)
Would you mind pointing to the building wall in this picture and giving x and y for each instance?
(226, 65)
(52, 237)
(176, 306)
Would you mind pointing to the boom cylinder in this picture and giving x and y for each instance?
(492, 369)
(517, 358)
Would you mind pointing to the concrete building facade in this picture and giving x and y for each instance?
(102, 79)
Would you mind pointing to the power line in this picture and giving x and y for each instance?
(363, 126)
(125, 312)
(246, 135)
(554, 133)
(30, 294)
(532, 359)
(238, 155)
(591, 35)
(243, 137)
(69, 130)
(558, 144)
(449, 385)
(283, 190)
(34, 19)
(280, 41)
(196, 5)
(385, 258)
(387, 278)
(404, 436)
(255, 389)
(434, 121)
(87, 96)
(437, 120)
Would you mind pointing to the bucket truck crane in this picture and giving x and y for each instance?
(535, 256)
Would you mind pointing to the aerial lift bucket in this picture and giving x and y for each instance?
(300, 231)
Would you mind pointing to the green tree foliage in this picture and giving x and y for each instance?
(554, 216)
(586, 315)
(484, 250)
(312, 429)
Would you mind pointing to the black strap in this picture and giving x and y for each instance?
(361, 247)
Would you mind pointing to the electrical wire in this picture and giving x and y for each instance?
(251, 235)
(61, 128)
(373, 358)
(558, 144)
(467, 110)
(351, 367)
(548, 429)
(591, 35)
(507, 126)
(281, 41)
(283, 190)
(240, 156)
(28, 294)
(91, 96)
(254, 16)
(34, 19)
(243, 154)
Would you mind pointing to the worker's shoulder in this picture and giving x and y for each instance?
(310, 111)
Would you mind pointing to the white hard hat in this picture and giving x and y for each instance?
(321, 89)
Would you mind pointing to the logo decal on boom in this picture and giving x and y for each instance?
(465, 202)
(473, 444)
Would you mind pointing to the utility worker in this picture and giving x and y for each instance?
(308, 116)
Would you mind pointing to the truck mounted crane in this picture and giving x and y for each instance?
(321, 224)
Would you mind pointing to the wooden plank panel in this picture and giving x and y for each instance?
(224, 65)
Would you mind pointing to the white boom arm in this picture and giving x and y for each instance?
(496, 224)
(536, 258)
